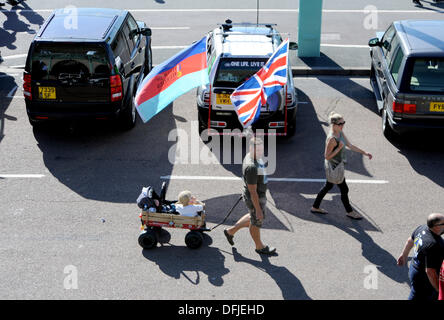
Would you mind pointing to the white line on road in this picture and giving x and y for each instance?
(169, 28)
(11, 93)
(219, 178)
(15, 56)
(344, 45)
(20, 176)
(248, 10)
(168, 47)
(322, 45)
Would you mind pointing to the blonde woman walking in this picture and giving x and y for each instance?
(334, 161)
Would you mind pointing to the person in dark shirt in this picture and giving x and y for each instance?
(255, 188)
(441, 282)
(428, 256)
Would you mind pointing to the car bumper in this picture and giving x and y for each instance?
(221, 120)
(405, 125)
(71, 111)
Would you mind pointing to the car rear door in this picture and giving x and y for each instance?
(69, 72)
(424, 87)
(135, 43)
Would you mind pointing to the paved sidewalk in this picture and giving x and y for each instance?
(351, 61)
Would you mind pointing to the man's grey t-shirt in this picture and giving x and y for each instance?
(253, 172)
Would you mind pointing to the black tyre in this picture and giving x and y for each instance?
(202, 124)
(386, 129)
(193, 239)
(148, 239)
(129, 115)
(148, 62)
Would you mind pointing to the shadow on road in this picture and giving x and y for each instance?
(100, 162)
(177, 262)
(425, 153)
(290, 286)
(375, 254)
(7, 82)
(13, 24)
(346, 86)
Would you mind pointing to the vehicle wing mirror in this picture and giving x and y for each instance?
(374, 42)
(145, 32)
(119, 64)
(292, 45)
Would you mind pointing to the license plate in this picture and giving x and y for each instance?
(47, 93)
(437, 106)
(223, 98)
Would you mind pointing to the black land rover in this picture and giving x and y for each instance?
(86, 66)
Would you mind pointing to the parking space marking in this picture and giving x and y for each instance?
(170, 28)
(15, 56)
(246, 10)
(168, 47)
(21, 176)
(221, 178)
(12, 94)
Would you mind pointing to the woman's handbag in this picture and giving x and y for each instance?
(334, 174)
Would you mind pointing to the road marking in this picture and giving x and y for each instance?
(15, 56)
(344, 45)
(11, 93)
(322, 45)
(168, 47)
(219, 178)
(247, 10)
(332, 77)
(20, 176)
(169, 28)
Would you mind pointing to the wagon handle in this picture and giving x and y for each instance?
(229, 212)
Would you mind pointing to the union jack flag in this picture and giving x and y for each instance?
(252, 94)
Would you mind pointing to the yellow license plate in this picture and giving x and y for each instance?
(47, 93)
(223, 98)
(437, 106)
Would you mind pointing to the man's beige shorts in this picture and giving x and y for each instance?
(250, 206)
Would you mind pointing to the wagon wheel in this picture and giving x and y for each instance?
(193, 239)
(148, 239)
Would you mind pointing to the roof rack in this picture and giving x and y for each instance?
(229, 24)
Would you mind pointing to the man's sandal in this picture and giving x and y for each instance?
(266, 250)
(229, 237)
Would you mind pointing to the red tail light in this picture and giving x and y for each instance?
(404, 107)
(27, 86)
(116, 88)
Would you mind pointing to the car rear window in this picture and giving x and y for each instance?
(75, 62)
(232, 72)
(428, 75)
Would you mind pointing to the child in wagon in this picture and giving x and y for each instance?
(188, 205)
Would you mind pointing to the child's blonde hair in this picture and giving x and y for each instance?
(184, 197)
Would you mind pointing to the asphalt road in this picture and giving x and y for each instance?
(78, 217)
